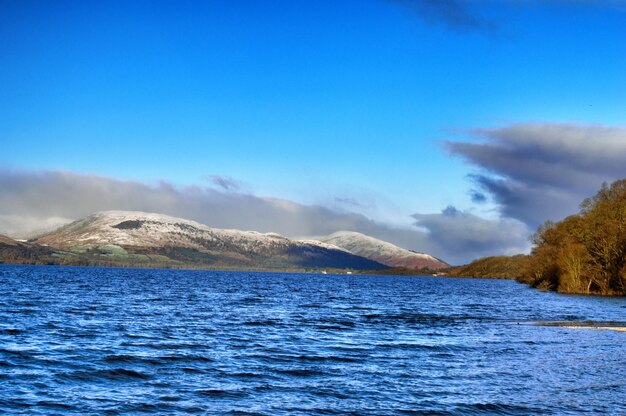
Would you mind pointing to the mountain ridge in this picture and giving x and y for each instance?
(145, 237)
(383, 251)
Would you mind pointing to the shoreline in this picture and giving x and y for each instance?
(597, 325)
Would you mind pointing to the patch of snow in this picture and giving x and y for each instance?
(382, 251)
(156, 230)
(322, 244)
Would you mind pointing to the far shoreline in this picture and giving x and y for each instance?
(327, 271)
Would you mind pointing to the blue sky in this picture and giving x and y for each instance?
(342, 104)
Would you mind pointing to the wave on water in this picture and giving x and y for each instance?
(111, 341)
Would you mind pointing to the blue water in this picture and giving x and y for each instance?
(120, 341)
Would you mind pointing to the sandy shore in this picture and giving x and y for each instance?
(611, 326)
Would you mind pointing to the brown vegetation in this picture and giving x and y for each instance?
(584, 253)
(495, 267)
(12, 251)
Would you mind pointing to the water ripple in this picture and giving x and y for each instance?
(118, 341)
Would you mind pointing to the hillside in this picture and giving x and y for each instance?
(8, 241)
(495, 267)
(13, 251)
(383, 252)
(149, 239)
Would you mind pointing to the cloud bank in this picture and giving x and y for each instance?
(540, 171)
(464, 232)
(31, 202)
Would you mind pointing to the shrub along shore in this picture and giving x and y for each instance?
(583, 254)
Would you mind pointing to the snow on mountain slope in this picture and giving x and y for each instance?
(157, 233)
(133, 228)
(382, 251)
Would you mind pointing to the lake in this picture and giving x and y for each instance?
(135, 341)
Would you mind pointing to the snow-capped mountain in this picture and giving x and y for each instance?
(382, 251)
(124, 233)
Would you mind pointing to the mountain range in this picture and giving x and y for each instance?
(139, 239)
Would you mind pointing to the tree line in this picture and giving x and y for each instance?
(586, 252)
